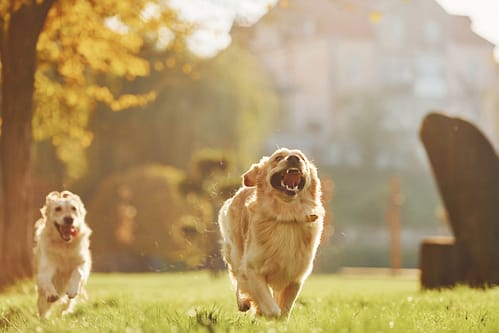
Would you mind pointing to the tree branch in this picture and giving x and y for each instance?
(43, 12)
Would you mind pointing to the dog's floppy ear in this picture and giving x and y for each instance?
(48, 199)
(249, 178)
(51, 197)
(81, 206)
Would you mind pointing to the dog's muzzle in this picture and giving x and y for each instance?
(290, 180)
(66, 231)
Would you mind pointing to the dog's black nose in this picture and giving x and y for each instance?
(293, 159)
(68, 220)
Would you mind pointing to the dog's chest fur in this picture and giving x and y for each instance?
(282, 251)
(65, 257)
(63, 253)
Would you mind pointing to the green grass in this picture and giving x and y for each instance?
(196, 302)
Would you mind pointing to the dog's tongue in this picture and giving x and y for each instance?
(67, 231)
(292, 179)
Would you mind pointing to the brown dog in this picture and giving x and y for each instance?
(271, 229)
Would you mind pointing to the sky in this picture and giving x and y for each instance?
(216, 17)
(484, 15)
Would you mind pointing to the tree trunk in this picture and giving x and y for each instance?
(18, 39)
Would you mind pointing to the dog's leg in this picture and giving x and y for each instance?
(287, 297)
(46, 288)
(43, 304)
(83, 293)
(242, 297)
(260, 293)
(68, 306)
(243, 300)
(78, 277)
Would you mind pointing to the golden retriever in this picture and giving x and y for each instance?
(62, 254)
(271, 229)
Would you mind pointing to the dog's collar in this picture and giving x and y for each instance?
(311, 218)
(308, 219)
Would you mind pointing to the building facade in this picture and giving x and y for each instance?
(356, 77)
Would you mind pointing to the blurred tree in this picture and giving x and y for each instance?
(81, 62)
(55, 53)
(141, 214)
(208, 181)
(157, 211)
(21, 23)
(231, 99)
(224, 103)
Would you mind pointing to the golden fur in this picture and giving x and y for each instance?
(62, 254)
(271, 229)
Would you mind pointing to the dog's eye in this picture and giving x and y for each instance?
(278, 158)
(73, 208)
(58, 208)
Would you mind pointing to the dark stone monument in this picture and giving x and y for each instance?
(466, 169)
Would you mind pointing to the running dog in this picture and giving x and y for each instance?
(271, 229)
(62, 254)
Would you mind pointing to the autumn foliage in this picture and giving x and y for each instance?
(67, 68)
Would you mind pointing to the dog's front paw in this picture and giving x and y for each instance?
(73, 289)
(72, 294)
(271, 312)
(244, 305)
(274, 314)
(52, 298)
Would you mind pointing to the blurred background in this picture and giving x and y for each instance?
(154, 142)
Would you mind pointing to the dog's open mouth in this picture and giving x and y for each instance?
(66, 231)
(290, 181)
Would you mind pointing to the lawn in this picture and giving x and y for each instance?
(197, 302)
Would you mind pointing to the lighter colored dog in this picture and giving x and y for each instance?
(62, 254)
(271, 229)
